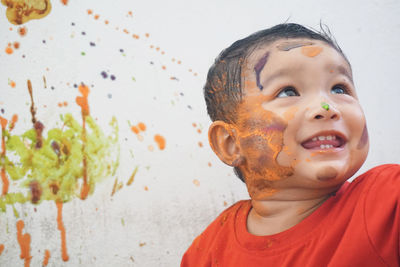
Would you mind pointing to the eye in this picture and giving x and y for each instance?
(288, 91)
(339, 90)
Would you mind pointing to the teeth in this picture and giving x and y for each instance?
(325, 146)
(329, 137)
(321, 138)
(314, 139)
(322, 146)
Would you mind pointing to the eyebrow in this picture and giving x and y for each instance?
(342, 70)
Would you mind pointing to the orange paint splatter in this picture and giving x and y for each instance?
(16, 45)
(311, 51)
(60, 105)
(135, 129)
(209, 164)
(142, 126)
(90, 12)
(194, 124)
(12, 84)
(64, 2)
(200, 144)
(196, 182)
(60, 226)
(160, 140)
(147, 35)
(179, 62)
(1, 249)
(164, 68)
(24, 241)
(96, 16)
(82, 101)
(146, 188)
(22, 31)
(130, 13)
(225, 204)
(157, 48)
(65, 103)
(126, 31)
(46, 257)
(106, 22)
(9, 50)
(199, 131)
(135, 36)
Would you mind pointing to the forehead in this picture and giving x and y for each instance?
(290, 49)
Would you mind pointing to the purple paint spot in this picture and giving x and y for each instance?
(92, 44)
(121, 50)
(52, 88)
(104, 74)
(189, 107)
(75, 85)
(2, 110)
(83, 33)
(44, 41)
(112, 77)
(258, 68)
(109, 95)
(73, 24)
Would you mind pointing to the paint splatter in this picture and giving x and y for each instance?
(311, 51)
(117, 186)
(196, 182)
(9, 49)
(160, 140)
(1, 249)
(20, 12)
(54, 169)
(61, 228)
(259, 67)
(131, 179)
(46, 257)
(64, 2)
(24, 241)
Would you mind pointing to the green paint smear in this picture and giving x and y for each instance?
(57, 167)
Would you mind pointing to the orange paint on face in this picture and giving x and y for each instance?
(22, 31)
(160, 140)
(142, 126)
(60, 226)
(24, 241)
(260, 134)
(135, 129)
(290, 113)
(46, 257)
(1, 249)
(9, 50)
(311, 51)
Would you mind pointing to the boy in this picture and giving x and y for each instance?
(286, 117)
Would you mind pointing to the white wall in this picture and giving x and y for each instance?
(184, 194)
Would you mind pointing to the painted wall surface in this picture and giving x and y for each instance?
(106, 157)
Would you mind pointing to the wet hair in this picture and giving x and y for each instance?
(223, 88)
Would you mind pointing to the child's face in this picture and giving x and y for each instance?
(300, 124)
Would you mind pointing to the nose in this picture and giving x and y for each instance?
(323, 111)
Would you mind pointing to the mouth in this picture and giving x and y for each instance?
(330, 140)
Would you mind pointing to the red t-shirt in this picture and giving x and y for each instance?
(358, 226)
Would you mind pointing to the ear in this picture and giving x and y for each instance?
(223, 140)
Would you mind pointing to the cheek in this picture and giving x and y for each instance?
(364, 138)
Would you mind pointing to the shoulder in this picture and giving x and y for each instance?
(221, 228)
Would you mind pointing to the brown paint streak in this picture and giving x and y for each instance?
(24, 241)
(60, 226)
(1, 249)
(20, 12)
(311, 51)
(36, 191)
(287, 46)
(33, 110)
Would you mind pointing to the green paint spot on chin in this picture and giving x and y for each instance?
(325, 106)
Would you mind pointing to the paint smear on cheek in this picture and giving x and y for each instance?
(311, 51)
(364, 138)
(262, 145)
(290, 113)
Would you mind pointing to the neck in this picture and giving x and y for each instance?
(269, 217)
